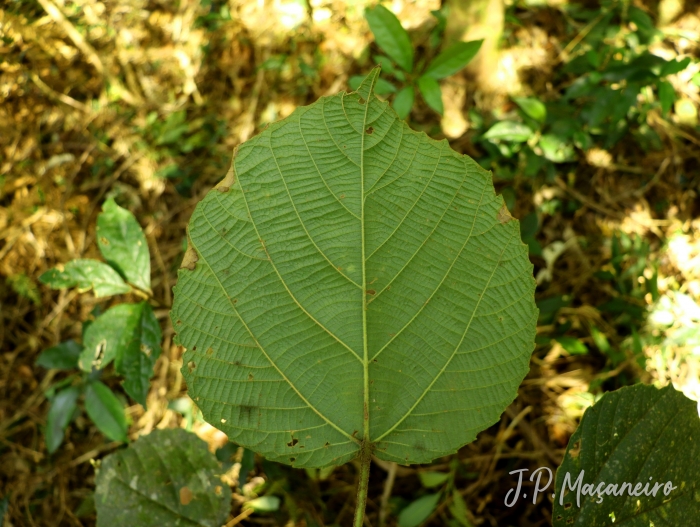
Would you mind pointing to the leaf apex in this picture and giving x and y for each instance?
(366, 87)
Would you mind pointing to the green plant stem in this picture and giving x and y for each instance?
(362, 486)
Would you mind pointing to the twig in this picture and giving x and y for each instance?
(50, 92)
(388, 486)
(238, 519)
(589, 203)
(87, 50)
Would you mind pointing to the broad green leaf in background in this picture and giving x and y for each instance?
(106, 411)
(352, 280)
(532, 107)
(430, 89)
(458, 508)
(403, 102)
(418, 511)
(667, 96)
(509, 131)
(556, 149)
(637, 434)
(430, 479)
(674, 66)
(123, 244)
(25, 287)
(167, 477)
(61, 410)
(63, 356)
(390, 36)
(86, 274)
(453, 59)
(129, 335)
(572, 345)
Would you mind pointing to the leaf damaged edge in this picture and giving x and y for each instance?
(189, 261)
(230, 178)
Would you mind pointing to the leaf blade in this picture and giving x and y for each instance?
(344, 358)
(86, 274)
(106, 411)
(453, 59)
(123, 244)
(391, 36)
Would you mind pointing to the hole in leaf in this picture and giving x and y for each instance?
(191, 366)
(567, 506)
(292, 459)
(293, 442)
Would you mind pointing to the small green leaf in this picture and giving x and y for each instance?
(509, 131)
(386, 64)
(355, 81)
(432, 479)
(667, 96)
(556, 149)
(384, 87)
(167, 477)
(674, 66)
(25, 287)
(129, 335)
(106, 411)
(63, 356)
(61, 412)
(532, 107)
(123, 244)
(430, 89)
(264, 504)
(640, 436)
(458, 508)
(86, 274)
(418, 511)
(403, 102)
(453, 59)
(390, 36)
(572, 345)
(4, 505)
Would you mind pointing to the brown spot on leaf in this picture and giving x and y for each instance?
(225, 184)
(371, 292)
(104, 241)
(218, 490)
(185, 496)
(210, 351)
(369, 130)
(191, 366)
(575, 450)
(189, 261)
(503, 215)
(250, 376)
(194, 348)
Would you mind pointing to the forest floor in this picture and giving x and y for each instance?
(144, 102)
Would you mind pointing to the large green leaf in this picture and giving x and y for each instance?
(86, 274)
(167, 477)
(636, 435)
(129, 335)
(391, 36)
(123, 244)
(352, 280)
